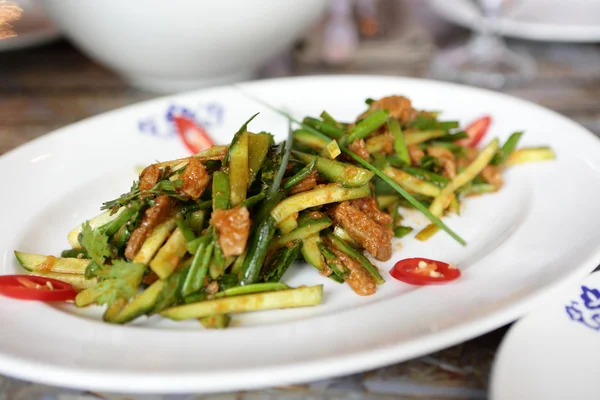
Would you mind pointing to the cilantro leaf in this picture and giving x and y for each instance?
(95, 243)
(118, 281)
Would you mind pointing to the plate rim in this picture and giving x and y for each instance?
(536, 31)
(382, 356)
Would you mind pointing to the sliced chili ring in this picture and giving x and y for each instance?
(31, 287)
(423, 271)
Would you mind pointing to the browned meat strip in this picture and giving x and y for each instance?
(234, 227)
(149, 177)
(446, 159)
(152, 217)
(491, 173)
(195, 178)
(399, 107)
(415, 154)
(359, 279)
(375, 238)
(360, 148)
(308, 183)
(368, 205)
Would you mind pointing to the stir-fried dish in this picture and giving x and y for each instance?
(212, 235)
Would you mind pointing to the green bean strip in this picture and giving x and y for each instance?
(436, 179)
(251, 201)
(196, 220)
(330, 130)
(261, 238)
(401, 231)
(507, 149)
(188, 234)
(326, 117)
(220, 190)
(339, 269)
(252, 288)
(453, 137)
(203, 205)
(113, 226)
(414, 202)
(282, 261)
(236, 137)
(195, 278)
(447, 125)
(370, 124)
(300, 175)
(352, 252)
(399, 144)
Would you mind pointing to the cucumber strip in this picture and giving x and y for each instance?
(427, 232)
(418, 137)
(169, 255)
(300, 297)
(330, 193)
(412, 183)
(78, 281)
(258, 147)
(239, 170)
(155, 241)
(289, 224)
(218, 321)
(308, 139)
(302, 232)
(141, 304)
(337, 171)
(531, 154)
(97, 221)
(311, 253)
(442, 200)
(42, 263)
(345, 236)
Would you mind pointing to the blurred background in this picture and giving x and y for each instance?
(66, 60)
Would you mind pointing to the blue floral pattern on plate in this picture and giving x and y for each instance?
(586, 312)
(208, 115)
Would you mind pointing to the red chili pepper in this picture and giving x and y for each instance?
(31, 287)
(192, 135)
(476, 131)
(422, 271)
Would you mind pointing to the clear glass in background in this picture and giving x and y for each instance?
(485, 60)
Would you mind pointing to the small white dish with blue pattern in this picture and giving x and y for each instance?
(553, 353)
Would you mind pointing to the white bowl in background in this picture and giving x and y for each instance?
(169, 46)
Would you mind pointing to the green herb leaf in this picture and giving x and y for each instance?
(95, 243)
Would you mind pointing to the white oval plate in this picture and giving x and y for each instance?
(543, 20)
(552, 354)
(535, 236)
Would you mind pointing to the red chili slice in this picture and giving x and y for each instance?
(193, 136)
(30, 287)
(476, 131)
(423, 271)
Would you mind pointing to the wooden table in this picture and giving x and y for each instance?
(45, 88)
